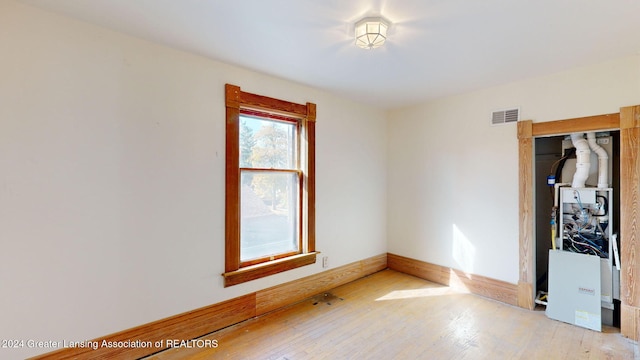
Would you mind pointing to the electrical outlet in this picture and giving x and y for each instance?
(325, 261)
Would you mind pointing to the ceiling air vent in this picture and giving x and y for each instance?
(505, 116)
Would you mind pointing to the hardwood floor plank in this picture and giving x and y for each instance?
(398, 316)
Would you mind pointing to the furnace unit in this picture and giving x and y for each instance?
(584, 276)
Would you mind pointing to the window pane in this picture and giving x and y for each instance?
(267, 144)
(269, 214)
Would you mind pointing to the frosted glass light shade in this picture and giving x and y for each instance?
(371, 32)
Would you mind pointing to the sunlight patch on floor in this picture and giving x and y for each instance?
(417, 293)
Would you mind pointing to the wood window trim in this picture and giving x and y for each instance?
(236, 99)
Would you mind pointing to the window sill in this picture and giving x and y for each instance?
(269, 268)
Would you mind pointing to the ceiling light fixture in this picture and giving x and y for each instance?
(371, 32)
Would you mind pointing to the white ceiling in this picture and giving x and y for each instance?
(435, 48)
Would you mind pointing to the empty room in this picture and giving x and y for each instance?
(299, 179)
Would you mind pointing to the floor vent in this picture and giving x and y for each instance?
(326, 298)
(505, 116)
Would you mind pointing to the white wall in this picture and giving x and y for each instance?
(453, 178)
(112, 179)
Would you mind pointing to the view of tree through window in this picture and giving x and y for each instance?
(269, 202)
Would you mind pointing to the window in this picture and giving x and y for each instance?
(270, 186)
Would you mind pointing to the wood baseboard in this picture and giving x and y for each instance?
(282, 295)
(189, 325)
(494, 289)
(152, 337)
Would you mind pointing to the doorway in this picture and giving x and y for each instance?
(627, 121)
(554, 156)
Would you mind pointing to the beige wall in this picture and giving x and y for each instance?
(112, 179)
(112, 175)
(453, 178)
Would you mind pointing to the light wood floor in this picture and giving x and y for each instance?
(390, 315)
